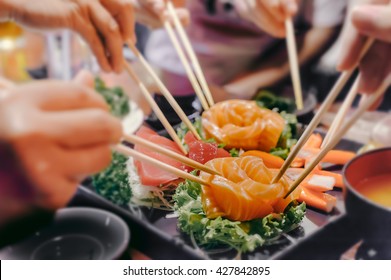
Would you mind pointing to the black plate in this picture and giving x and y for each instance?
(158, 236)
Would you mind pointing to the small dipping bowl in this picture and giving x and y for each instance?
(370, 218)
(76, 233)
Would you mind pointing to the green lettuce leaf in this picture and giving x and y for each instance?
(113, 182)
(115, 97)
(242, 236)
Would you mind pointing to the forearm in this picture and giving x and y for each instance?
(276, 67)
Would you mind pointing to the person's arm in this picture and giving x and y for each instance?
(276, 67)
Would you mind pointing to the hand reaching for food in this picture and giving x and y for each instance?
(60, 132)
(368, 19)
(152, 12)
(104, 24)
(268, 15)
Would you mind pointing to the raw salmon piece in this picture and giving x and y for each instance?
(244, 191)
(243, 124)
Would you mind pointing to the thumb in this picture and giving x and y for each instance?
(373, 21)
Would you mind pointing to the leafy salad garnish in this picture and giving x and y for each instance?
(115, 97)
(113, 182)
(242, 236)
(267, 99)
(288, 137)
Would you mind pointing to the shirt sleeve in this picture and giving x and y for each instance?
(324, 13)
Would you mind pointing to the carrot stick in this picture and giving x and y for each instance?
(319, 200)
(338, 157)
(315, 141)
(334, 156)
(298, 163)
(271, 161)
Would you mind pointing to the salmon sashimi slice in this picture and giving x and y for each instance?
(244, 191)
(149, 174)
(242, 124)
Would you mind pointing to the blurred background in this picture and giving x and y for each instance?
(26, 55)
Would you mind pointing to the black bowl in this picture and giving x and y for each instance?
(371, 219)
(75, 234)
(305, 115)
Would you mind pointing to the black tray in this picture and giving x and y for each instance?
(320, 236)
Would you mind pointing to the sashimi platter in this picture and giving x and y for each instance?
(245, 180)
(233, 202)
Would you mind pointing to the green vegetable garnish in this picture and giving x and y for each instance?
(183, 129)
(234, 152)
(115, 97)
(268, 100)
(113, 182)
(288, 137)
(242, 236)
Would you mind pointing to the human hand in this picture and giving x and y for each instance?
(152, 12)
(368, 18)
(104, 24)
(268, 15)
(60, 132)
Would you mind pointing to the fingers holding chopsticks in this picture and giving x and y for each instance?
(152, 13)
(370, 18)
(268, 15)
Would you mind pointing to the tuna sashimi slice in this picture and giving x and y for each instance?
(149, 174)
(203, 152)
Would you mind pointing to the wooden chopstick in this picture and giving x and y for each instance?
(185, 160)
(186, 65)
(340, 133)
(165, 91)
(338, 86)
(342, 112)
(348, 100)
(345, 76)
(170, 130)
(293, 63)
(122, 149)
(190, 52)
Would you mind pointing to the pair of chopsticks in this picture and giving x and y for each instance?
(196, 78)
(348, 101)
(171, 100)
(198, 75)
(204, 95)
(338, 130)
(340, 133)
(127, 151)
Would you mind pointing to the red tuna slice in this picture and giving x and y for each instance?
(151, 175)
(203, 152)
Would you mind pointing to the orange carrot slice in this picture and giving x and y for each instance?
(298, 162)
(315, 141)
(338, 157)
(271, 161)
